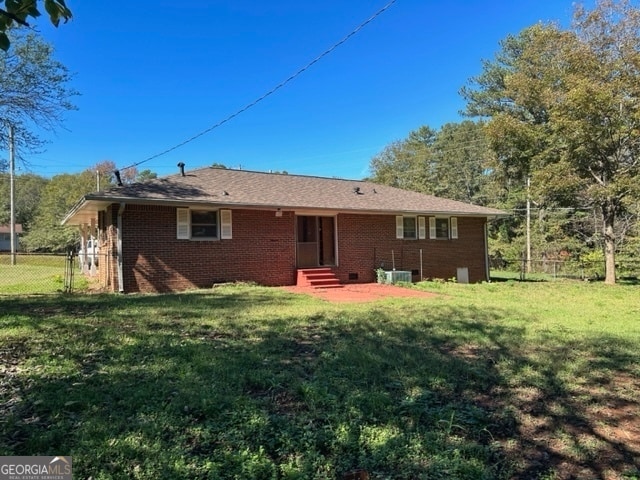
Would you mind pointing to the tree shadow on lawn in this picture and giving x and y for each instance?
(183, 386)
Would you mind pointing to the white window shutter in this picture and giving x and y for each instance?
(432, 227)
(453, 222)
(399, 226)
(225, 224)
(182, 221)
(422, 229)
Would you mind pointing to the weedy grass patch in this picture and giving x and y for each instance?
(496, 381)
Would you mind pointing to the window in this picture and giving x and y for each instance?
(443, 228)
(203, 224)
(409, 228)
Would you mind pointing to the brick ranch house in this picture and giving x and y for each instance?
(211, 225)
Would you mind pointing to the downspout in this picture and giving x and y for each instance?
(119, 249)
(486, 251)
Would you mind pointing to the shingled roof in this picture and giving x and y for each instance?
(247, 189)
(7, 228)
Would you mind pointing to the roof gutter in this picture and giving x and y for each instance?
(119, 249)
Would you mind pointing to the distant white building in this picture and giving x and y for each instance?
(5, 237)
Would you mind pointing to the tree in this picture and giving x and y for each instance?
(58, 197)
(145, 175)
(564, 108)
(106, 171)
(462, 162)
(17, 12)
(34, 91)
(29, 189)
(451, 162)
(406, 163)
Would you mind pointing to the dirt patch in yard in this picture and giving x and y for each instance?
(592, 432)
(361, 292)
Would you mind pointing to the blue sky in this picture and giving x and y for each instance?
(154, 74)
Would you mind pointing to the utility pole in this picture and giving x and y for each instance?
(12, 194)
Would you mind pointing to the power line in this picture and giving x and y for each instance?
(545, 209)
(270, 92)
(379, 149)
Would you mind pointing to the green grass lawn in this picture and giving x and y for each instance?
(35, 274)
(494, 381)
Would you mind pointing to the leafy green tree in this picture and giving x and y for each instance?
(34, 92)
(452, 162)
(17, 13)
(564, 108)
(407, 163)
(461, 162)
(145, 175)
(58, 197)
(60, 194)
(628, 235)
(29, 189)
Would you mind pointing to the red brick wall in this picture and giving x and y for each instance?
(263, 250)
(367, 242)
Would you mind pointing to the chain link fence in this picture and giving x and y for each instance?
(33, 274)
(575, 269)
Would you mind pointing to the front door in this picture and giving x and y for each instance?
(316, 241)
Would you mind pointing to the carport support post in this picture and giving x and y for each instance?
(83, 247)
(94, 256)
